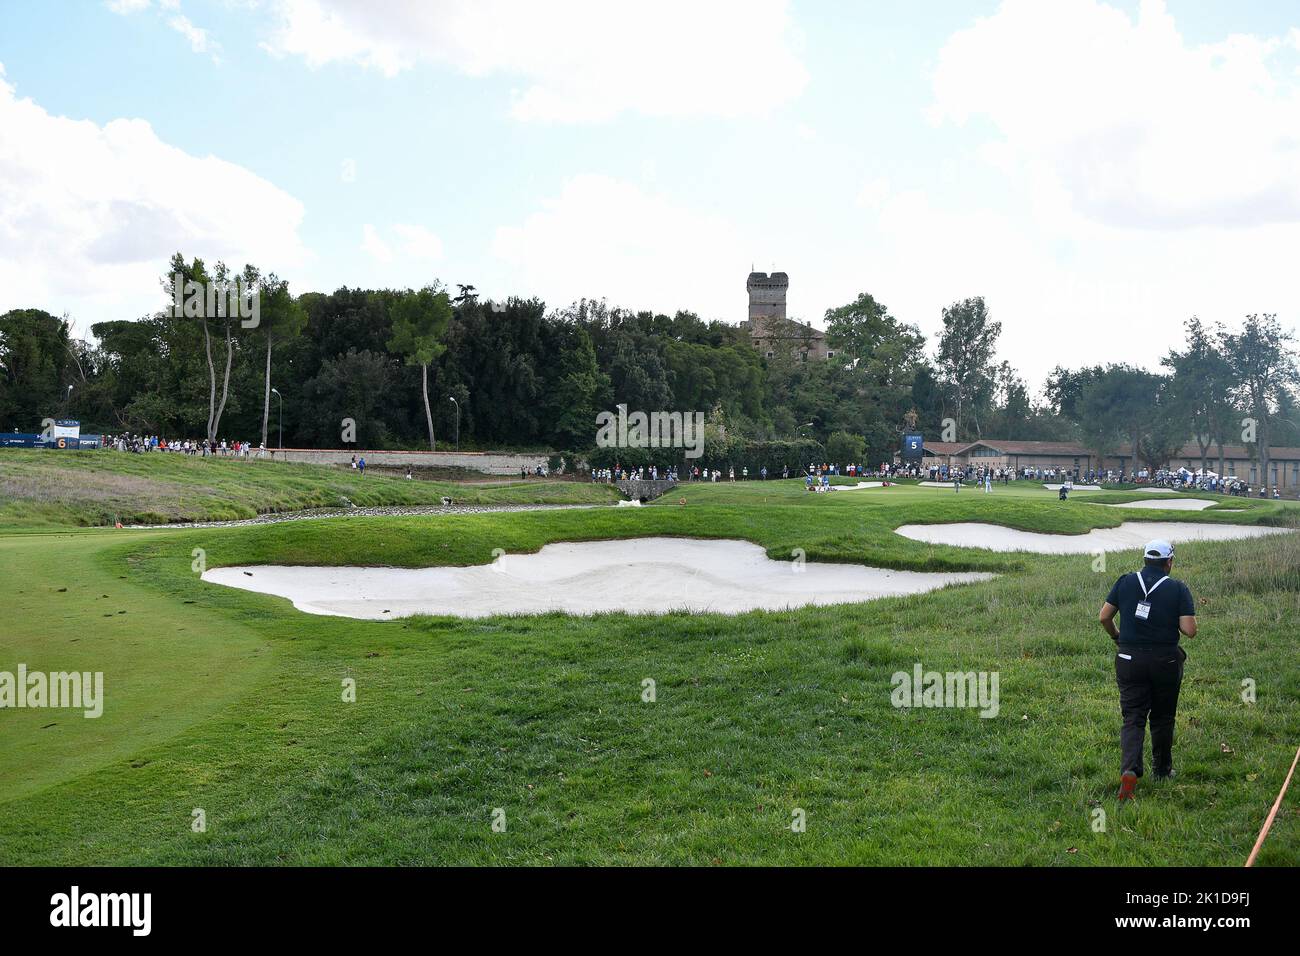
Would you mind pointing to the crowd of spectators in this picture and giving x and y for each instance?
(140, 444)
(1180, 479)
(640, 473)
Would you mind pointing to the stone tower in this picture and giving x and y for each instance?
(769, 328)
(767, 295)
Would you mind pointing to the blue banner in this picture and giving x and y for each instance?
(23, 440)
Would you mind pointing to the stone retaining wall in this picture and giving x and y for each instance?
(487, 462)
(648, 490)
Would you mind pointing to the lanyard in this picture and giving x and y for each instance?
(1146, 595)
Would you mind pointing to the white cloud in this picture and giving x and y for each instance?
(374, 246)
(419, 243)
(197, 36)
(413, 244)
(90, 214)
(1125, 119)
(127, 7)
(1069, 291)
(585, 60)
(1144, 180)
(199, 39)
(610, 239)
(873, 193)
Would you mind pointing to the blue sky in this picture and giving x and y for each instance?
(1098, 171)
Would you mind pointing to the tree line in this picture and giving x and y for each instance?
(432, 368)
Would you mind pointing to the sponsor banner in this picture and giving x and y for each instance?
(22, 440)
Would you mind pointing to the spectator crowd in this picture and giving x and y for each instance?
(140, 444)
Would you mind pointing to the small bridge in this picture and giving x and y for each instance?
(645, 490)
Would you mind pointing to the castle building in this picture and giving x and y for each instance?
(770, 330)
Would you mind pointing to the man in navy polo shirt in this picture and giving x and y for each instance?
(1154, 610)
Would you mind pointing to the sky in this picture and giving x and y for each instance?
(1098, 171)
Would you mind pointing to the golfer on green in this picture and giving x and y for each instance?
(1155, 610)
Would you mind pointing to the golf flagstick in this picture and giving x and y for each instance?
(1250, 860)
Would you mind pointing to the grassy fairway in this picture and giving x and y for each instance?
(232, 703)
(70, 606)
(49, 489)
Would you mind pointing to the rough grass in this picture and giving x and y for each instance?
(755, 715)
(45, 489)
(1275, 568)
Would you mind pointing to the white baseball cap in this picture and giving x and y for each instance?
(1159, 548)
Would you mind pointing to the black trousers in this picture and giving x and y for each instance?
(1149, 681)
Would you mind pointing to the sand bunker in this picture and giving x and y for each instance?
(859, 485)
(1131, 535)
(1182, 504)
(638, 576)
(1145, 491)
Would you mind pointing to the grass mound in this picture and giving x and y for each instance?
(45, 489)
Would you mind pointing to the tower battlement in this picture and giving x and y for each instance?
(767, 294)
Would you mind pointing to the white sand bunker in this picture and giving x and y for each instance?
(1182, 504)
(638, 576)
(1131, 535)
(1139, 489)
(859, 485)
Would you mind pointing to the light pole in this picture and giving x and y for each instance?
(276, 391)
(452, 398)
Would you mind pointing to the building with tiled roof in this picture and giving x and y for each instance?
(1239, 461)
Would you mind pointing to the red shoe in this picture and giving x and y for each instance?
(1127, 784)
